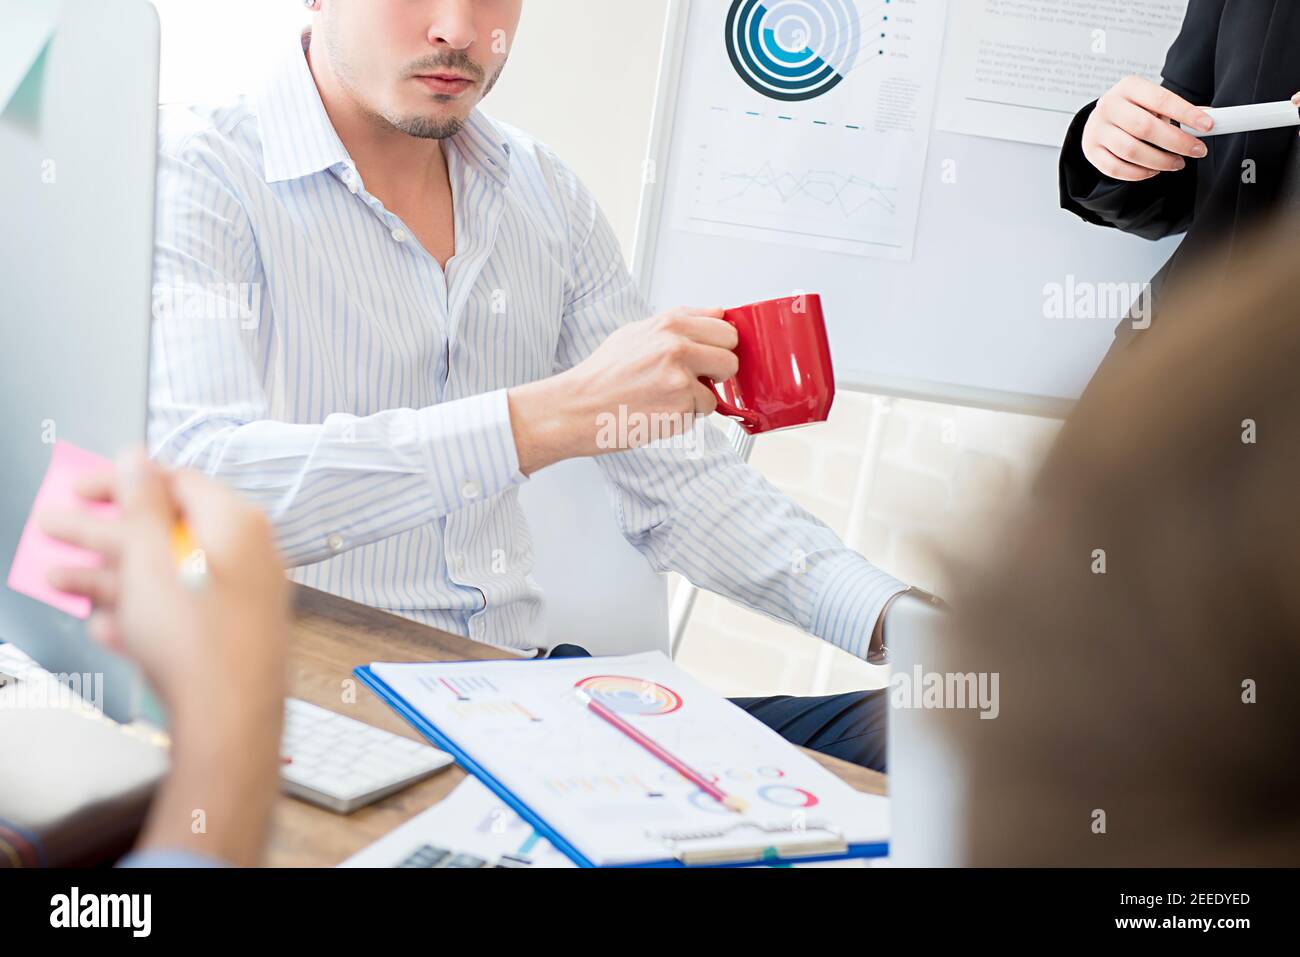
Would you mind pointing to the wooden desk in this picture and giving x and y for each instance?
(331, 636)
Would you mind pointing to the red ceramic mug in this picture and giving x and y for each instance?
(785, 378)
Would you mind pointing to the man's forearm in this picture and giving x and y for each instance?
(647, 373)
(545, 417)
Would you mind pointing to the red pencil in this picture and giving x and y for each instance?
(728, 801)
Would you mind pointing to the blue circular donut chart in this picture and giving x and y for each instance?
(793, 50)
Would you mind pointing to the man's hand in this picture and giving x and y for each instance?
(648, 371)
(215, 654)
(1129, 135)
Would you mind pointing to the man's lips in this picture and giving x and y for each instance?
(446, 83)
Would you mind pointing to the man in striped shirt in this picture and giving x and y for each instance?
(377, 312)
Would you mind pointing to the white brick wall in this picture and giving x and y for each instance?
(944, 473)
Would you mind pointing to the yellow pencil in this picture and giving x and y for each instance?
(191, 563)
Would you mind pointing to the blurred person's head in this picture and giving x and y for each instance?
(420, 67)
(1143, 612)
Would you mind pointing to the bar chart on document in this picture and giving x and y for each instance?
(808, 121)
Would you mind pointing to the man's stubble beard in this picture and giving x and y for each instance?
(421, 127)
(430, 129)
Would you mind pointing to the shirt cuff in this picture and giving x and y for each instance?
(167, 857)
(471, 451)
(852, 595)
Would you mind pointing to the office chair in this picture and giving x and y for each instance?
(601, 593)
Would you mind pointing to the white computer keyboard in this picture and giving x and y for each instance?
(341, 764)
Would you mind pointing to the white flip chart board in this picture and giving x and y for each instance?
(811, 145)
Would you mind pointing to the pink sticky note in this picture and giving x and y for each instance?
(37, 552)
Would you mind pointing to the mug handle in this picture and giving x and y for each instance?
(747, 419)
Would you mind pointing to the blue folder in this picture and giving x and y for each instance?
(463, 758)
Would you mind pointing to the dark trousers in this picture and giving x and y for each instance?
(850, 727)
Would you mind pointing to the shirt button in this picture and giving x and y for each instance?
(353, 187)
(400, 235)
(470, 490)
(335, 543)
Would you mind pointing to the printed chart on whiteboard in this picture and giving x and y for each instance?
(809, 121)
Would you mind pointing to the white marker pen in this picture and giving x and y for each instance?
(1247, 119)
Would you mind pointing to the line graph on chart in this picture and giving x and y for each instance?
(831, 184)
(844, 194)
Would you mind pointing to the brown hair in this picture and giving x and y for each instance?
(1150, 584)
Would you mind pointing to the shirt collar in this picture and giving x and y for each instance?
(486, 145)
(299, 140)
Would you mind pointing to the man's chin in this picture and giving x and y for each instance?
(430, 127)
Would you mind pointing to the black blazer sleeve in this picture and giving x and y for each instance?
(1161, 206)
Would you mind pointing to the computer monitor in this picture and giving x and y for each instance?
(78, 146)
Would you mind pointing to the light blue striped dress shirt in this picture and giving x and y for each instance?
(309, 352)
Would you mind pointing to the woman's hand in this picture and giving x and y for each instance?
(180, 636)
(214, 651)
(1131, 134)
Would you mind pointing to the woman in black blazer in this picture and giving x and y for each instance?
(1125, 165)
